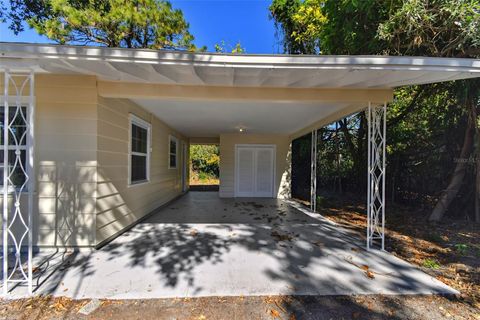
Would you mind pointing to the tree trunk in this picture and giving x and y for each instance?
(476, 154)
(477, 186)
(457, 178)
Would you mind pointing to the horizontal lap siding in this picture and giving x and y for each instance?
(120, 205)
(65, 160)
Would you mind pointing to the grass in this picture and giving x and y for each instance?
(461, 248)
(202, 178)
(431, 264)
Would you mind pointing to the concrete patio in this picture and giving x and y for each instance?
(201, 245)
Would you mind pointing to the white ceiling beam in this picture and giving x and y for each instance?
(226, 93)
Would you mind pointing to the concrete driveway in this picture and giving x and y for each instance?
(201, 245)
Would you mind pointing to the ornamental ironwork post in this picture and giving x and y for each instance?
(18, 106)
(376, 117)
(313, 173)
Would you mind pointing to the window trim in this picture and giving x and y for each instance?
(170, 139)
(28, 146)
(134, 120)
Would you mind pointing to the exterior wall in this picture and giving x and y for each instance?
(82, 195)
(65, 160)
(227, 161)
(118, 204)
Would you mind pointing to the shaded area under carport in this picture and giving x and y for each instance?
(201, 245)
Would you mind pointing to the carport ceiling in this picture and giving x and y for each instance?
(211, 118)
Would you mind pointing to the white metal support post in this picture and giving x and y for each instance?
(18, 178)
(313, 173)
(376, 117)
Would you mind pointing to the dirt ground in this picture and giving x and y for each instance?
(288, 308)
(449, 251)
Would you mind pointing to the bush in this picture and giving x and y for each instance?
(205, 159)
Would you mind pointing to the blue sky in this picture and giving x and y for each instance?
(211, 21)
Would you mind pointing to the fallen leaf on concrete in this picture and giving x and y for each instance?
(281, 236)
(193, 232)
(368, 273)
(274, 313)
(280, 307)
(318, 243)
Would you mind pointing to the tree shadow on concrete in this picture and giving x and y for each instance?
(305, 253)
(297, 242)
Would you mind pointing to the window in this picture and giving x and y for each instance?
(17, 136)
(172, 159)
(139, 150)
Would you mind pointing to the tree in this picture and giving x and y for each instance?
(224, 47)
(425, 123)
(113, 23)
(443, 29)
(300, 23)
(205, 159)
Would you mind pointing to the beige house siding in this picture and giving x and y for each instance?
(227, 160)
(82, 195)
(118, 204)
(65, 160)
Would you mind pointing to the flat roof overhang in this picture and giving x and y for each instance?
(236, 89)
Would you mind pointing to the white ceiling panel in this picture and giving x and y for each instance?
(211, 118)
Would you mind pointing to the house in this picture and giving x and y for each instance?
(99, 136)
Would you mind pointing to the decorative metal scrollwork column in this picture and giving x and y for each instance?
(18, 178)
(313, 173)
(376, 117)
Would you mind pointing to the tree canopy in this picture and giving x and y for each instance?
(113, 23)
(433, 130)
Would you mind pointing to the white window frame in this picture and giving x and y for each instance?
(170, 139)
(24, 102)
(134, 120)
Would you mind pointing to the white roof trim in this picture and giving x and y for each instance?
(69, 57)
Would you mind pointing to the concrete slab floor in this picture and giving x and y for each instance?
(201, 245)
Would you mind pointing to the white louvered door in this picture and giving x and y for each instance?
(254, 167)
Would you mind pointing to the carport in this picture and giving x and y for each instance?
(202, 245)
(244, 101)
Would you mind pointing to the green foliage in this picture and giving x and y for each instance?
(224, 47)
(442, 28)
(434, 237)
(203, 176)
(461, 248)
(431, 264)
(205, 160)
(352, 26)
(300, 23)
(426, 124)
(114, 23)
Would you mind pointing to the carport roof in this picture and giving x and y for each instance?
(263, 94)
(245, 70)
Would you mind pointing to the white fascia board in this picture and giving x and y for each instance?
(46, 51)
